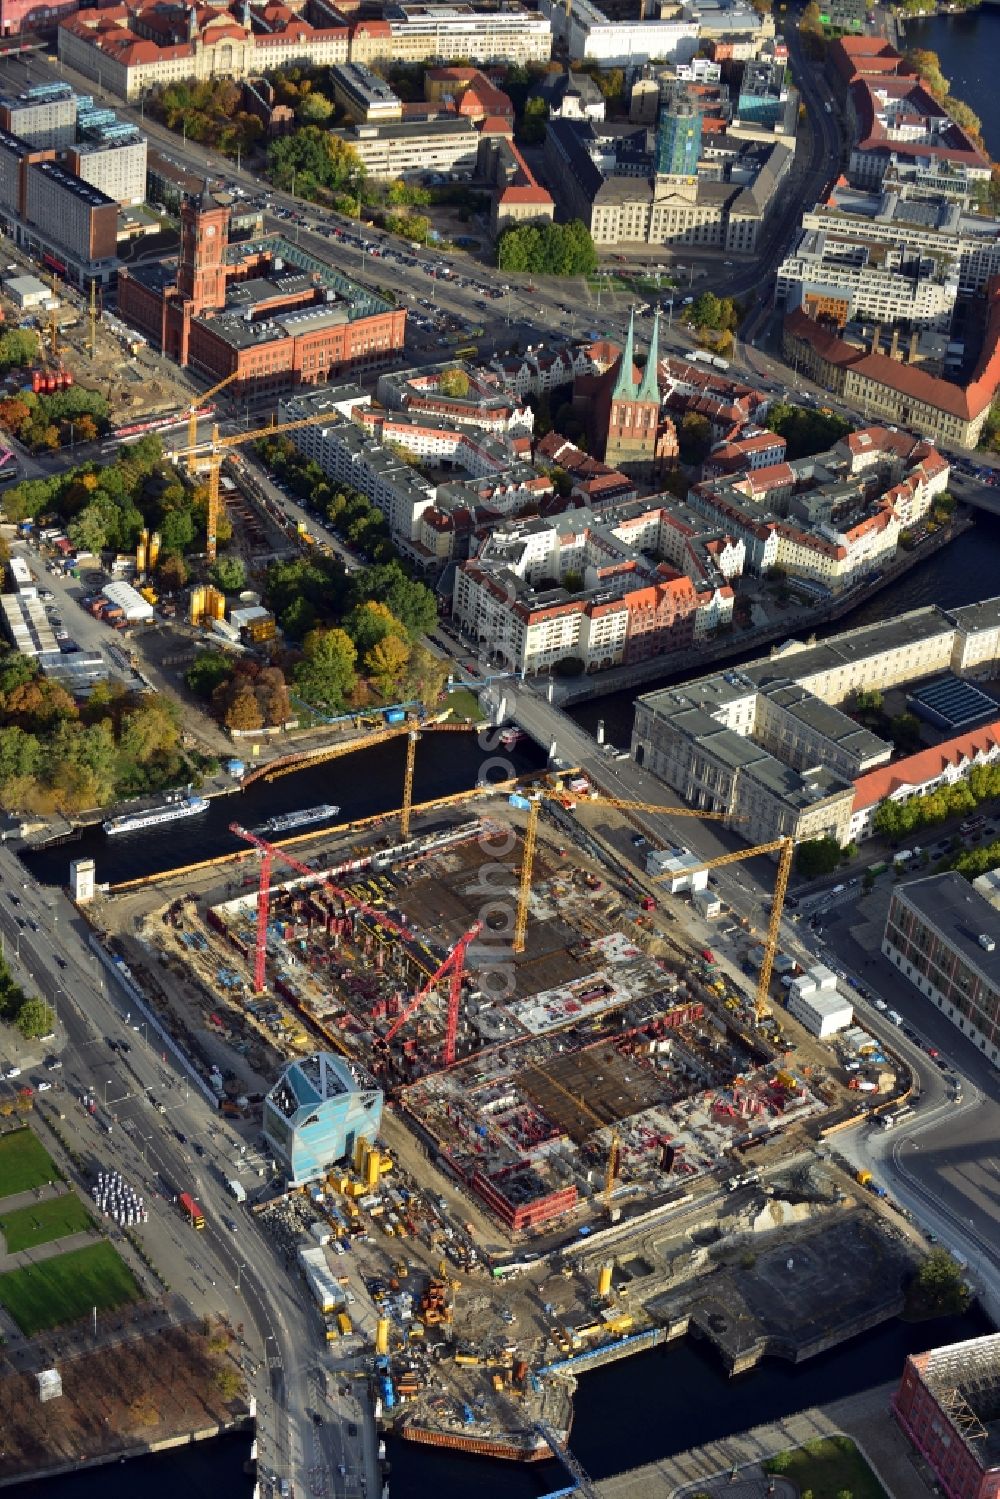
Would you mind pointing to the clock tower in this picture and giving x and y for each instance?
(201, 269)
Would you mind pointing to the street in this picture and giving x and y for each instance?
(238, 1275)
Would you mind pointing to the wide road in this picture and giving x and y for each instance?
(233, 1271)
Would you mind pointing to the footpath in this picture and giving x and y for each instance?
(866, 1418)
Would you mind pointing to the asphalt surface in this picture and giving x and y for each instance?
(240, 1274)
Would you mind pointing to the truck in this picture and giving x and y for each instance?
(191, 1210)
(236, 1189)
(863, 1178)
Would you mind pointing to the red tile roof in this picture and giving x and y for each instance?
(928, 765)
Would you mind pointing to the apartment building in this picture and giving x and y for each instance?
(511, 594)
(873, 279)
(87, 219)
(406, 147)
(943, 936)
(830, 519)
(43, 117)
(114, 162)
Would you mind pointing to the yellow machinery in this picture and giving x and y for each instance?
(192, 416)
(407, 807)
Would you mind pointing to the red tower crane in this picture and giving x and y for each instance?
(453, 965)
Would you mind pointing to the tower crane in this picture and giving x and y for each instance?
(453, 965)
(531, 838)
(192, 416)
(215, 451)
(784, 848)
(614, 1149)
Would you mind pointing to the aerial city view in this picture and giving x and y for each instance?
(500, 749)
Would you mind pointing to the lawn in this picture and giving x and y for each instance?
(24, 1163)
(828, 1467)
(66, 1287)
(42, 1222)
(464, 704)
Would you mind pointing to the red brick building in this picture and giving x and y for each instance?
(947, 1404)
(262, 308)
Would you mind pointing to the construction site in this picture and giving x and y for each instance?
(81, 342)
(595, 1137)
(561, 1055)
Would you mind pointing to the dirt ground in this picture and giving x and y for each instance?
(138, 1392)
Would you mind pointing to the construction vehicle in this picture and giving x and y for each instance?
(863, 1178)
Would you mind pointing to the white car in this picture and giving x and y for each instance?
(43, 1086)
(12, 1072)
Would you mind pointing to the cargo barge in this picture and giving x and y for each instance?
(507, 1447)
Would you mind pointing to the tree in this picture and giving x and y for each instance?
(548, 248)
(326, 675)
(534, 121)
(312, 160)
(18, 347)
(172, 573)
(386, 663)
(244, 713)
(371, 622)
(315, 109)
(34, 1019)
(411, 602)
(453, 382)
(229, 1383)
(229, 574)
(206, 672)
(817, 857)
(694, 437)
(938, 1288)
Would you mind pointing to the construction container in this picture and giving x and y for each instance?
(604, 1280)
(382, 1335)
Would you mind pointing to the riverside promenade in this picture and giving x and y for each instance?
(865, 1418)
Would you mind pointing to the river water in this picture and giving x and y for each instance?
(968, 47)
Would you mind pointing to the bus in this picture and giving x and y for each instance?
(468, 351)
(890, 1120)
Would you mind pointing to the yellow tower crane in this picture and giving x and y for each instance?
(784, 848)
(531, 838)
(192, 416)
(407, 807)
(615, 1146)
(214, 451)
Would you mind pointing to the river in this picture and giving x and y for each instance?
(968, 46)
(362, 785)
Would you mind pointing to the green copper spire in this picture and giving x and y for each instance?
(625, 388)
(649, 387)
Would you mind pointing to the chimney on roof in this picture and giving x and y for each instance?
(894, 346)
(914, 344)
(876, 337)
